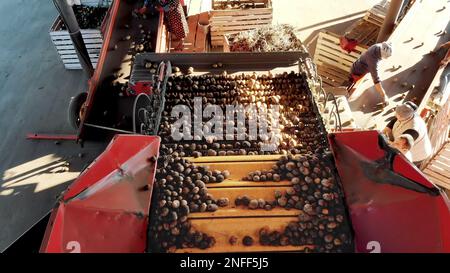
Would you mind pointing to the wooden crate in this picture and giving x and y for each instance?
(92, 38)
(64, 46)
(96, 3)
(364, 32)
(233, 21)
(377, 14)
(438, 170)
(333, 63)
(226, 43)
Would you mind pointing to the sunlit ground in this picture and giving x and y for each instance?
(44, 173)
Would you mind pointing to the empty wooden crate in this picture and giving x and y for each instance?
(228, 17)
(92, 38)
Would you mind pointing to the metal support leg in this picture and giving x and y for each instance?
(390, 20)
(68, 16)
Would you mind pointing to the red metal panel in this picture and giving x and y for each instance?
(107, 208)
(405, 168)
(53, 232)
(103, 231)
(121, 148)
(94, 81)
(387, 217)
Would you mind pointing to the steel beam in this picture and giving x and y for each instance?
(390, 20)
(68, 16)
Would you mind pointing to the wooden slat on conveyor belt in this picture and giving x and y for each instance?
(241, 221)
(222, 229)
(266, 193)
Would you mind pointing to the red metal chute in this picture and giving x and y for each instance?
(393, 206)
(107, 208)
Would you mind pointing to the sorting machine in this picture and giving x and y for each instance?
(372, 199)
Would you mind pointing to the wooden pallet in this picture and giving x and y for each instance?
(64, 46)
(96, 3)
(331, 76)
(438, 170)
(234, 20)
(163, 39)
(333, 64)
(364, 32)
(195, 7)
(377, 14)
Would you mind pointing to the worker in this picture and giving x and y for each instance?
(404, 143)
(368, 62)
(408, 122)
(446, 59)
(176, 19)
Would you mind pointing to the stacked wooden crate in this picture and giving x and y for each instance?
(366, 33)
(333, 63)
(377, 14)
(92, 38)
(95, 3)
(438, 170)
(225, 20)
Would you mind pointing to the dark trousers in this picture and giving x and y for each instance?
(418, 163)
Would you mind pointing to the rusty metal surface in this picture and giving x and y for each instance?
(114, 56)
(232, 62)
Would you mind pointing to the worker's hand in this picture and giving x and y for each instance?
(142, 10)
(387, 132)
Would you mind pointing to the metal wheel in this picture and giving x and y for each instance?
(73, 112)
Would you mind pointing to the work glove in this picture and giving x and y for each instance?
(142, 10)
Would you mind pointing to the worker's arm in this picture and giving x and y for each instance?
(388, 130)
(446, 59)
(381, 90)
(144, 7)
(373, 69)
(445, 45)
(412, 133)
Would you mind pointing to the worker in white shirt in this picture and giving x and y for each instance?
(407, 121)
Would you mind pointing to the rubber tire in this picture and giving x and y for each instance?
(73, 112)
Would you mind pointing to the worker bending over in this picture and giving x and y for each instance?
(408, 122)
(369, 63)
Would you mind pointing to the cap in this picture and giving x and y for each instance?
(404, 111)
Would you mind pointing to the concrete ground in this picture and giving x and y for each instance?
(407, 75)
(35, 89)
